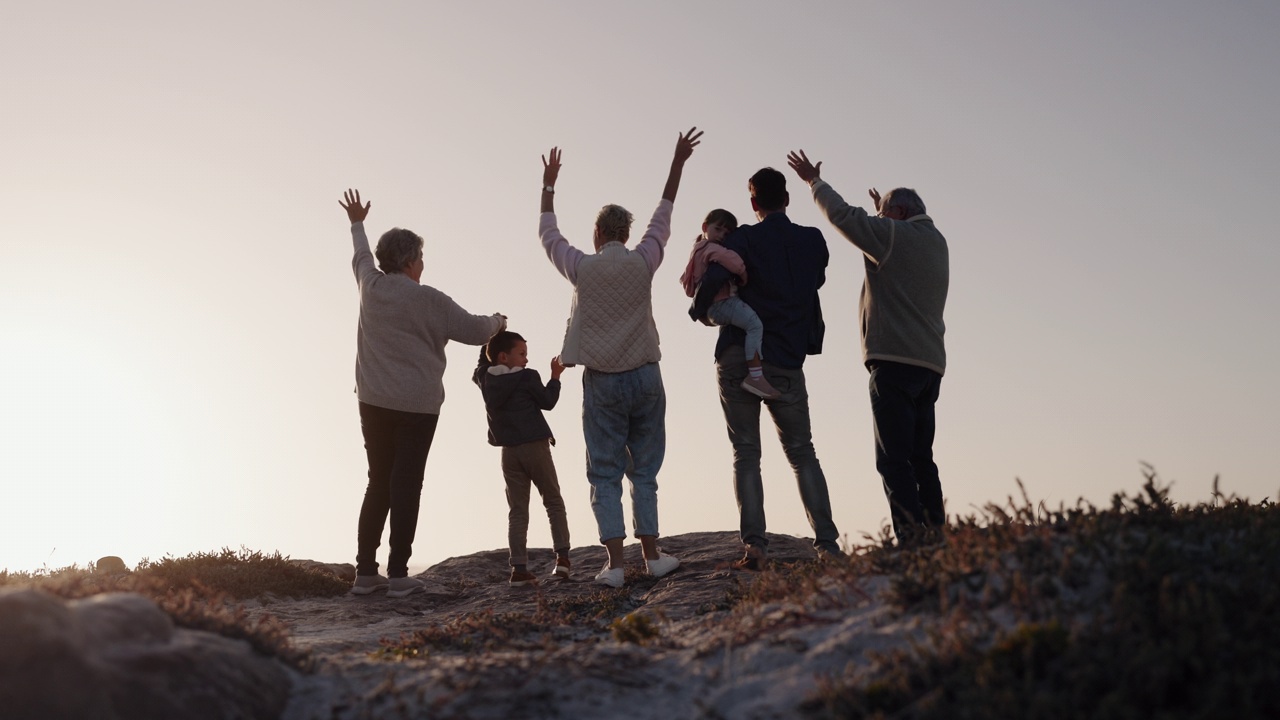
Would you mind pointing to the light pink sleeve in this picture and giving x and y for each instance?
(731, 260)
(654, 243)
(562, 255)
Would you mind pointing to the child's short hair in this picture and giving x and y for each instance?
(503, 342)
(720, 216)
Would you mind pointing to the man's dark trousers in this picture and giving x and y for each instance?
(902, 406)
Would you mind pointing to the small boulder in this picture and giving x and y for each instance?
(110, 565)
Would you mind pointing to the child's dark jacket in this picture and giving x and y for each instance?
(514, 402)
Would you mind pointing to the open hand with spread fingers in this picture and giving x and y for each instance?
(687, 142)
(807, 171)
(355, 212)
(551, 168)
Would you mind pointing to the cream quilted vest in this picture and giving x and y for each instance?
(611, 326)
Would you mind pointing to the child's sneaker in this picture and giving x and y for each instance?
(611, 577)
(368, 584)
(404, 587)
(662, 565)
(560, 568)
(522, 577)
(760, 388)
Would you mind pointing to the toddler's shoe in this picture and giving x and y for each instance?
(760, 388)
(519, 578)
(560, 568)
(404, 587)
(368, 584)
(662, 565)
(611, 577)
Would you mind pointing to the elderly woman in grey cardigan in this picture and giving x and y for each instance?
(400, 360)
(611, 333)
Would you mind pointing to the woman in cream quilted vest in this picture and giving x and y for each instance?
(612, 335)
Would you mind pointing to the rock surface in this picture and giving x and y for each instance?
(698, 658)
(118, 656)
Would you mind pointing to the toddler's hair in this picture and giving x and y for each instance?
(720, 216)
(503, 342)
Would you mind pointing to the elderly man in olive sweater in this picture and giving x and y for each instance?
(903, 296)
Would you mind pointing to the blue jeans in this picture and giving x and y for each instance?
(624, 425)
(791, 418)
(902, 402)
(396, 444)
(733, 311)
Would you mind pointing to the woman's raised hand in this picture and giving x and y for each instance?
(355, 213)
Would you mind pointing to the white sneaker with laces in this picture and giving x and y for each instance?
(611, 577)
(662, 565)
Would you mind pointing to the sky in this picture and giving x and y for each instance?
(179, 311)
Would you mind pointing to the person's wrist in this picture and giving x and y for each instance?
(548, 187)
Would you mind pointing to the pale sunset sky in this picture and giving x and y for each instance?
(179, 311)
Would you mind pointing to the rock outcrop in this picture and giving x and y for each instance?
(119, 657)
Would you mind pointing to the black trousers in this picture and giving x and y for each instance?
(902, 402)
(397, 444)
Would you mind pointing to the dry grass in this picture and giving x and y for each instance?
(1143, 609)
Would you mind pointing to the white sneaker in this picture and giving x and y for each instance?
(662, 565)
(405, 586)
(368, 584)
(611, 577)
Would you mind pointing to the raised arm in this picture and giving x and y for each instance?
(550, 171)
(684, 148)
(362, 262)
(872, 235)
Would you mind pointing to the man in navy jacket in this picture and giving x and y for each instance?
(786, 264)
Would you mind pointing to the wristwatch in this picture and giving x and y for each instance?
(549, 188)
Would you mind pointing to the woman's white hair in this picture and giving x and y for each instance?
(397, 248)
(614, 223)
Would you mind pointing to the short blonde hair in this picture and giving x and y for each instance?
(614, 223)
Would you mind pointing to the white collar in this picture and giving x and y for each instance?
(503, 370)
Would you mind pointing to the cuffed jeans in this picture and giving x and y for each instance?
(524, 465)
(397, 444)
(733, 311)
(624, 426)
(791, 418)
(902, 405)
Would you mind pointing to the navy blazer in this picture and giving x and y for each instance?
(786, 264)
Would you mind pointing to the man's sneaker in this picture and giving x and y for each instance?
(662, 565)
(611, 577)
(760, 388)
(519, 578)
(560, 568)
(404, 587)
(368, 584)
(752, 560)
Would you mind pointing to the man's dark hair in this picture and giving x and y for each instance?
(503, 342)
(769, 189)
(905, 198)
(720, 216)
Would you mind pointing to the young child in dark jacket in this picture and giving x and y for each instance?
(514, 398)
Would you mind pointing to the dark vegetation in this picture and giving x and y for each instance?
(1144, 609)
